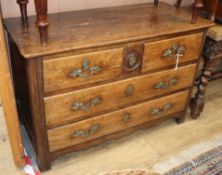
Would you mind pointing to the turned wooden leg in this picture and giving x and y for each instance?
(213, 9)
(197, 6)
(197, 103)
(41, 10)
(178, 3)
(23, 9)
(156, 2)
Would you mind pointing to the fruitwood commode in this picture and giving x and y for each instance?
(103, 74)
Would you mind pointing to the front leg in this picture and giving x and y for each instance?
(197, 6)
(41, 10)
(23, 9)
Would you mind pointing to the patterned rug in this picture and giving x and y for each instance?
(132, 172)
(209, 163)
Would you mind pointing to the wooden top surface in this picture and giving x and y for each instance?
(99, 27)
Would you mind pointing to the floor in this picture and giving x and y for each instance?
(156, 149)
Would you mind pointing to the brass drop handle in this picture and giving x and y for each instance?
(79, 72)
(85, 134)
(87, 106)
(160, 111)
(126, 117)
(174, 52)
(166, 85)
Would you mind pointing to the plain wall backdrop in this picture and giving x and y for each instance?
(11, 9)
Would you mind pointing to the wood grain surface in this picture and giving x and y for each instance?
(58, 109)
(102, 27)
(153, 52)
(63, 137)
(57, 71)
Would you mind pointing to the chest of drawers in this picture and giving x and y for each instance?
(103, 74)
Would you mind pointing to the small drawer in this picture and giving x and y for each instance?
(164, 53)
(90, 129)
(73, 71)
(78, 105)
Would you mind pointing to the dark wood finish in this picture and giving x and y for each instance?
(178, 3)
(197, 103)
(133, 57)
(54, 102)
(23, 9)
(156, 2)
(41, 10)
(198, 5)
(213, 8)
(212, 52)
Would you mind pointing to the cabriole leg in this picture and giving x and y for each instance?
(197, 6)
(41, 10)
(23, 9)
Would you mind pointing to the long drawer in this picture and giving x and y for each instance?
(73, 71)
(96, 127)
(161, 54)
(77, 105)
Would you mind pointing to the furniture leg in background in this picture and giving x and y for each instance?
(197, 6)
(213, 9)
(156, 2)
(23, 9)
(9, 103)
(198, 102)
(41, 10)
(178, 3)
(212, 54)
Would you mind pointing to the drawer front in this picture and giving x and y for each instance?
(80, 70)
(161, 54)
(78, 105)
(96, 127)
